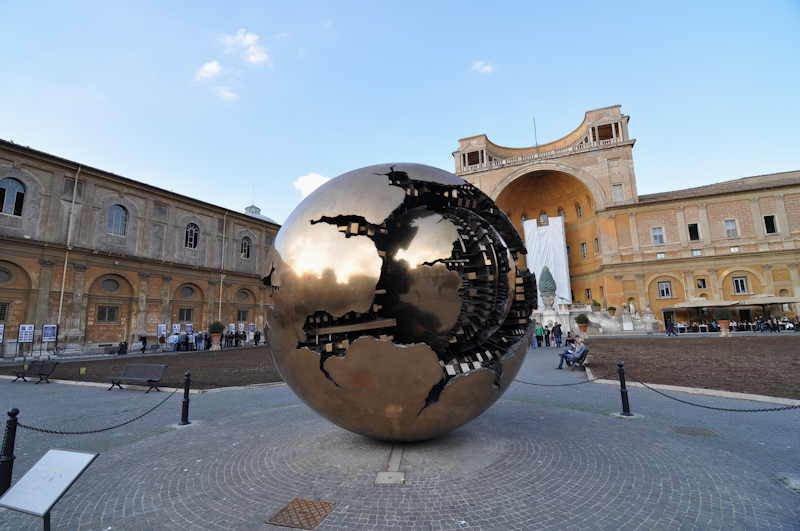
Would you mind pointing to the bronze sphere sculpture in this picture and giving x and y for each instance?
(399, 309)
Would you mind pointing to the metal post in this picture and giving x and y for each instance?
(46, 522)
(187, 382)
(623, 391)
(7, 456)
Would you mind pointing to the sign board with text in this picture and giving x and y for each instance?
(25, 333)
(162, 330)
(49, 333)
(46, 482)
(2, 331)
(189, 328)
(176, 328)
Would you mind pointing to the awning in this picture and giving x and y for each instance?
(766, 300)
(700, 303)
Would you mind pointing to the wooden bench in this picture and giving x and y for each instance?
(149, 374)
(581, 361)
(42, 369)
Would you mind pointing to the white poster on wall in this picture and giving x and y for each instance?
(162, 330)
(547, 246)
(176, 328)
(2, 331)
(189, 328)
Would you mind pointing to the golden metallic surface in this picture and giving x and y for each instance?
(399, 311)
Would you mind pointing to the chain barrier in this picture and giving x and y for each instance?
(564, 384)
(715, 408)
(87, 432)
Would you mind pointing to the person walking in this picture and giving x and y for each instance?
(557, 334)
(547, 335)
(143, 339)
(671, 329)
(257, 337)
(539, 332)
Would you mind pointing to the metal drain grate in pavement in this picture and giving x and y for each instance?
(302, 514)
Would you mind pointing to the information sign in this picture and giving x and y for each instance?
(2, 331)
(189, 328)
(251, 327)
(25, 333)
(232, 327)
(162, 330)
(176, 328)
(49, 333)
(241, 327)
(46, 482)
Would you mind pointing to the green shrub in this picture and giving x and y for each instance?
(582, 319)
(216, 327)
(595, 303)
(612, 308)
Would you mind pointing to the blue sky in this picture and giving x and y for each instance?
(232, 102)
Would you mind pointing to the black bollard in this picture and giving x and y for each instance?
(187, 382)
(7, 456)
(623, 391)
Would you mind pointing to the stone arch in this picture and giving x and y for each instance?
(180, 294)
(783, 293)
(33, 218)
(587, 179)
(245, 296)
(113, 242)
(756, 285)
(106, 327)
(652, 286)
(125, 288)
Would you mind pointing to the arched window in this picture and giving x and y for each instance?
(12, 196)
(245, 248)
(543, 218)
(117, 220)
(579, 210)
(562, 213)
(192, 236)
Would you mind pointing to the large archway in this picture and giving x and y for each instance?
(545, 194)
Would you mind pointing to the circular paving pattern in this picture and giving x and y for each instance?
(541, 471)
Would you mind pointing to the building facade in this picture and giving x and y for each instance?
(727, 241)
(111, 258)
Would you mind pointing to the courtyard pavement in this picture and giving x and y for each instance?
(540, 458)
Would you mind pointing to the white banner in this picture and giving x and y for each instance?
(25, 334)
(162, 330)
(189, 328)
(49, 333)
(547, 246)
(2, 331)
(232, 327)
(176, 328)
(241, 327)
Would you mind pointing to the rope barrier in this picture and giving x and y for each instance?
(59, 432)
(564, 384)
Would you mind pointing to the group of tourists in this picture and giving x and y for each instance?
(238, 338)
(197, 341)
(761, 324)
(548, 335)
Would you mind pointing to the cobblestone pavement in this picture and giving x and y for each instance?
(541, 458)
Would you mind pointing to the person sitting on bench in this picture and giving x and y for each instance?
(571, 355)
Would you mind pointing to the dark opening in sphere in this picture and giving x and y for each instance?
(400, 312)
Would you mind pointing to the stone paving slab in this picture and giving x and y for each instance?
(541, 458)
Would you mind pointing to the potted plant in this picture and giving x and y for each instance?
(612, 310)
(595, 306)
(215, 329)
(582, 321)
(723, 317)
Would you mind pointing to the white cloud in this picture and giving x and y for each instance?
(246, 43)
(308, 183)
(208, 70)
(226, 94)
(482, 67)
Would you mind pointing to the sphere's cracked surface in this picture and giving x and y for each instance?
(400, 312)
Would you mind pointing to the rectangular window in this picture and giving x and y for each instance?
(596, 245)
(617, 193)
(697, 252)
(107, 314)
(660, 256)
(473, 157)
(769, 225)
(185, 314)
(241, 316)
(665, 289)
(584, 250)
(694, 232)
(701, 283)
(69, 185)
(3, 311)
(657, 234)
(604, 132)
(734, 249)
(731, 231)
(740, 285)
(588, 293)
